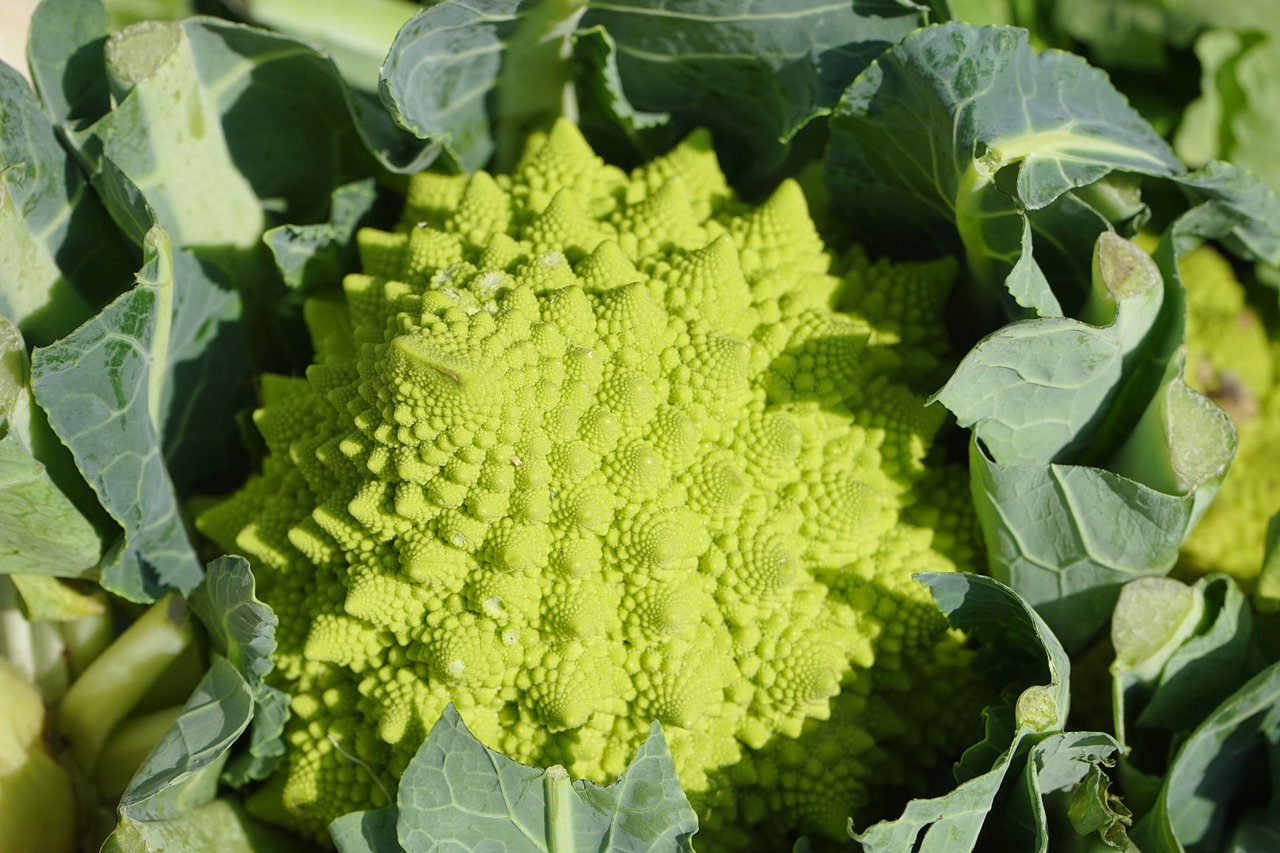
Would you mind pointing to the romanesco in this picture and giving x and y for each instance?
(580, 450)
(1231, 359)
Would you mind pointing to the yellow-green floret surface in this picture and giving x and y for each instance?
(1231, 358)
(582, 449)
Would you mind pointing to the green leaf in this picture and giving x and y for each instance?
(458, 792)
(101, 387)
(41, 531)
(240, 626)
(267, 748)
(1063, 777)
(48, 599)
(1021, 648)
(181, 772)
(949, 135)
(208, 380)
(1019, 785)
(152, 67)
(1215, 772)
(14, 367)
(357, 41)
(476, 77)
(1257, 832)
(1093, 809)
(311, 257)
(225, 131)
(606, 117)
(1267, 594)
(261, 133)
(61, 258)
(1032, 389)
(1233, 206)
(1235, 117)
(1180, 652)
(1067, 537)
(242, 630)
(644, 809)
(754, 73)
(65, 47)
(371, 831)
(221, 825)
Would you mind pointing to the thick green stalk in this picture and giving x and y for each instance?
(536, 86)
(127, 748)
(355, 35)
(121, 676)
(559, 796)
(36, 649)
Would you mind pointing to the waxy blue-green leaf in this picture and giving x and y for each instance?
(475, 77)
(102, 388)
(372, 831)
(208, 378)
(605, 115)
(1232, 206)
(458, 794)
(179, 778)
(1212, 778)
(1202, 655)
(64, 52)
(1067, 537)
(1063, 772)
(1021, 647)
(241, 628)
(181, 772)
(478, 76)
(952, 134)
(265, 130)
(356, 38)
(1032, 389)
(1019, 784)
(222, 825)
(266, 749)
(1180, 651)
(1135, 457)
(171, 803)
(754, 73)
(61, 258)
(41, 531)
(311, 257)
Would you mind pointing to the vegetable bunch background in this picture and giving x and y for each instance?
(643, 433)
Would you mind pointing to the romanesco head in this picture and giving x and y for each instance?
(1232, 359)
(583, 449)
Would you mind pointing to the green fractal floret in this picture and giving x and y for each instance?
(581, 450)
(1232, 359)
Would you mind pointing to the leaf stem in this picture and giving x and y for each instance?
(130, 743)
(160, 279)
(121, 676)
(559, 796)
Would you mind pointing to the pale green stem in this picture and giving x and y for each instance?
(114, 683)
(559, 793)
(158, 241)
(126, 749)
(536, 85)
